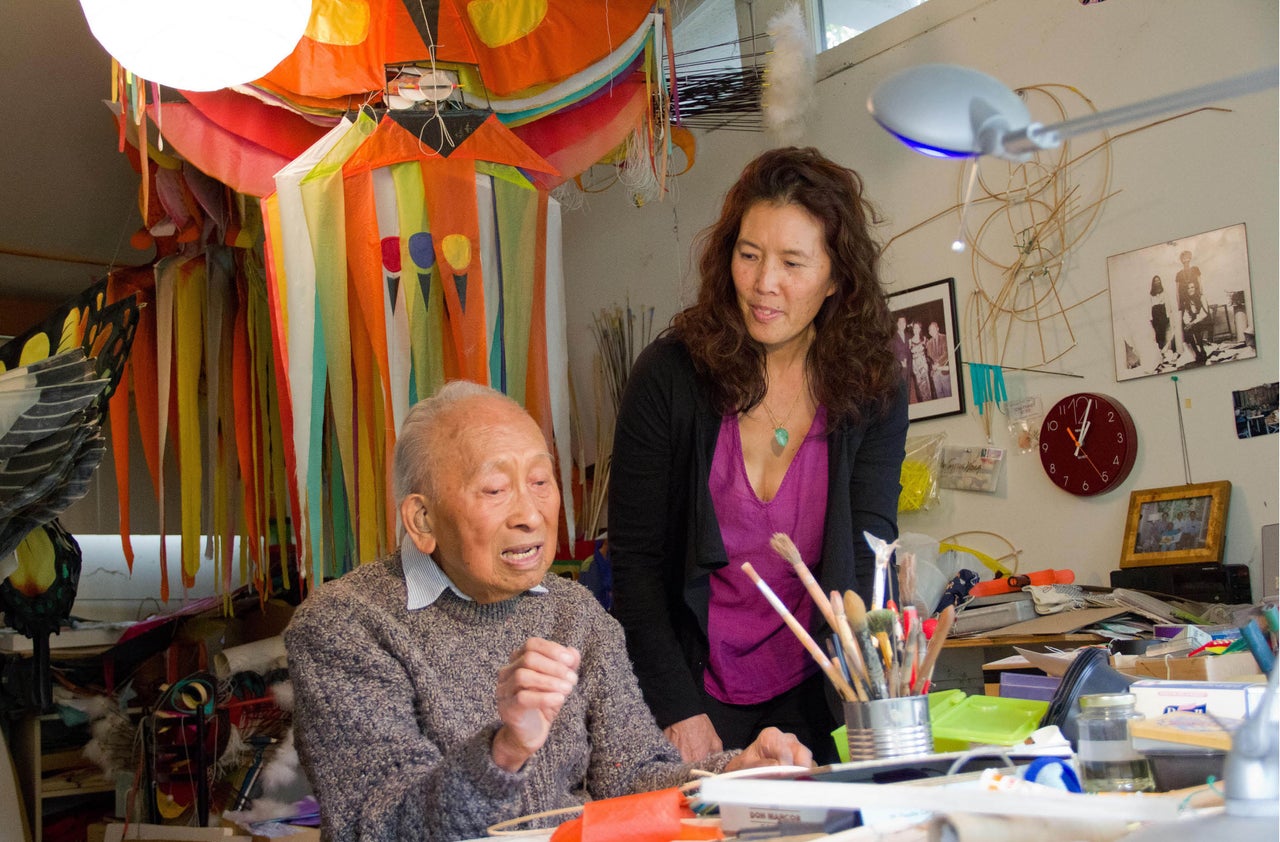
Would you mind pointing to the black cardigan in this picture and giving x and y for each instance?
(664, 539)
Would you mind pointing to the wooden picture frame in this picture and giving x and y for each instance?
(934, 388)
(1180, 524)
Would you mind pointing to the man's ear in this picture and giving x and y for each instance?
(417, 522)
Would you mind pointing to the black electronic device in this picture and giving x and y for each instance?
(1225, 583)
(1090, 672)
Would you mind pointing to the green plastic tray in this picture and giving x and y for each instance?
(988, 720)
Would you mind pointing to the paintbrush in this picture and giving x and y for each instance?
(880, 624)
(906, 578)
(785, 547)
(836, 653)
(911, 623)
(852, 652)
(945, 620)
(856, 610)
(883, 550)
(833, 673)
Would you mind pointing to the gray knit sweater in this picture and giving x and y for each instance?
(395, 710)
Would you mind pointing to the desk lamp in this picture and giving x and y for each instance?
(949, 111)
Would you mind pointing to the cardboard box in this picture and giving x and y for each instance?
(1223, 699)
(115, 832)
(1234, 666)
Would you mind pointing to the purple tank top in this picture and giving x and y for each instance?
(754, 656)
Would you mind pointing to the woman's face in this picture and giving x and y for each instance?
(781, 273)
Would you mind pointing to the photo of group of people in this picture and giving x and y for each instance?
(925, 347)
(1169, 525)
(1182, 304)
(925, 360)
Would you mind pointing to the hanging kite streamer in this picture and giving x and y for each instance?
(988, 387)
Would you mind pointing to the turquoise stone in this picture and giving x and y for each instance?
(781, 436)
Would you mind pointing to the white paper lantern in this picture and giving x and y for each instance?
(198, 45)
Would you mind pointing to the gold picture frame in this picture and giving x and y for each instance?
(1180, 524)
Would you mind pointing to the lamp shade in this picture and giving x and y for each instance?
(198, 45)
(948, 111)
(954, 112)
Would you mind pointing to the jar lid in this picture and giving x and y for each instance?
(1107, 700)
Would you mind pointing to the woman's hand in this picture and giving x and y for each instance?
(696, 737)
(772, 748)
(532, 687)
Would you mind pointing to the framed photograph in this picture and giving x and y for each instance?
(926, 345)
(1181, 524)
(1182, 304)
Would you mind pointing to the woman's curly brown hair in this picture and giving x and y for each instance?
(850, 364)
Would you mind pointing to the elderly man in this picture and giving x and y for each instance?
(454, 684)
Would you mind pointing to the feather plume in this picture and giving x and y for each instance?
(790, 77)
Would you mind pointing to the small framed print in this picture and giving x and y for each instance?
(1180, 524)
(926, 345)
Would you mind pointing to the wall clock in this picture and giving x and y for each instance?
(1088, 444)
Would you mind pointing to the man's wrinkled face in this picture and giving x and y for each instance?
(495, 519)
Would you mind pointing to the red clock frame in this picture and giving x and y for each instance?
(1088, 444)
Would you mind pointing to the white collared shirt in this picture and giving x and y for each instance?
(425, 581)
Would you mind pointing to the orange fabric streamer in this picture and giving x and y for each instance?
(242, 379)
(121, 284)
(658, 816)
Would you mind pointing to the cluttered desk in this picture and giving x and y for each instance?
(1147, 719)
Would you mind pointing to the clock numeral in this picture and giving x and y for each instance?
(1115, 461)
(1106, 477)
(1084, 486)
(1120, 437)
(1052, 424)
(1111, 417)
(1044, 446)
(1053, 468)
(1065, 479)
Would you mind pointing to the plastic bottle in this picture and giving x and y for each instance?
(1108, 761)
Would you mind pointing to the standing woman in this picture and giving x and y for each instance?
(920, 362)
(1160, 319)
(772, 404)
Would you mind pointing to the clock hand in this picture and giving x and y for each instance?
(1080, 452)
(1084, 427)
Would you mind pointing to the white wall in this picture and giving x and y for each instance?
(1191, 175)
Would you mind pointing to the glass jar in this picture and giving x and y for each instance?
(1108, 761)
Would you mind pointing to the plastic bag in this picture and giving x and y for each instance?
(920, 472)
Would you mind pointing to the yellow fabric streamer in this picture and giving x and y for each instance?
(189, 297)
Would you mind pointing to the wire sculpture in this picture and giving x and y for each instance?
(1019, 313)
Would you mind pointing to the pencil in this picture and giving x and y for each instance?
(842, 686)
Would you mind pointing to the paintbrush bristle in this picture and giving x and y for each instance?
(881, 620)
(855, 609)
(785, 547)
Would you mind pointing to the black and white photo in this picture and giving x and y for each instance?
(1182, 304)
(927, 347)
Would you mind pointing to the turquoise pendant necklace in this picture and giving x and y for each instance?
(780, 434)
